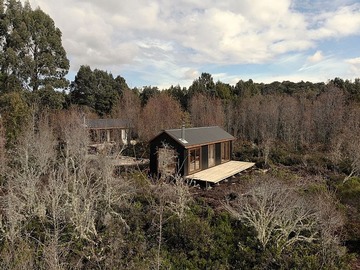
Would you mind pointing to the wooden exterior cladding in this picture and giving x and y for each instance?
(193, 153)
(108, 131)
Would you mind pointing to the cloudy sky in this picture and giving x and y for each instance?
(162, 43)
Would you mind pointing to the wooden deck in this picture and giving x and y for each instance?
(122, 160)
(221, 172)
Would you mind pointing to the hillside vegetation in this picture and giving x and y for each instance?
(61, 210)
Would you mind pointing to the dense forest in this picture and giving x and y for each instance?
(300, 209)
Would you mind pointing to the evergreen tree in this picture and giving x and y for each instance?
(203, 85)
(96, 89)
(32, 55)
(81, 89)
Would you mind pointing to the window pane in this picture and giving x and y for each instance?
(194, 159)
(225, 151)
(211, 155)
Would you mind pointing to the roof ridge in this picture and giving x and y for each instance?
(191, 128)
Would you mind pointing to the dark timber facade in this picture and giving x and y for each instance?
(189, 150)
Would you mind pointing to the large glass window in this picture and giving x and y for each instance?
(225, 151)
(211, 155)
(194, 160)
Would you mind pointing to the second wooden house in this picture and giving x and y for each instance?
(105, 132)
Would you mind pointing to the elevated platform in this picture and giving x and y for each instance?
(220, 172)
(122, 160)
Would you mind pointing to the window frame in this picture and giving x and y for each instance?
(225, 151)
(197, 150)
(213, 158)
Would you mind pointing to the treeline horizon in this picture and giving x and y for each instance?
(61, 209)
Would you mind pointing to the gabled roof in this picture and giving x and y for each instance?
(106, 123)
(199, 135)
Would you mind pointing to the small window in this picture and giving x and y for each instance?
(94, 136)
(194, 160)
(111, 135)
(102, 138)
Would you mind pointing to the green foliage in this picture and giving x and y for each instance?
(179, 94)
(350, 190)
(223, 90)
(349, 194)
(204, 240)
(203, 85)
(23, 258)
(81, 89)
(246, 89)
(191, 239)
(282, 156)
(15, 113)
(146, 93)
(49, 98)
(96, 89)
(32, 56)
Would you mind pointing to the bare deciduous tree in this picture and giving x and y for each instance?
(352, 139)
(285, 214)
(128, 108)
(160, 112)
(51, 181)
(206, 111)
(289, 121)
(162, 194)
(181, 197)
(74, 139)
(328, 115)
(2, 146)
(31, 159)
(169, 199)
(346, 145)
(54, 196)
(330, 223)
(277, 214)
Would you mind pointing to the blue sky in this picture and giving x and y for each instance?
(163, 43)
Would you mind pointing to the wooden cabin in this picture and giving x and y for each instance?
(107, 131)
(201, 153)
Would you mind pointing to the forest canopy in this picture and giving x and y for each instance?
(60, 209)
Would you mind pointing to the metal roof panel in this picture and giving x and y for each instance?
(199, 135)
(106, 123)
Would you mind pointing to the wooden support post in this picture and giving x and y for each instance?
(108, 135)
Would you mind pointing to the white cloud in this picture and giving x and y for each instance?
(316, 57)
(167, 41)
(191, 74)
(342, 22)
(354, 61)
(354, 65)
